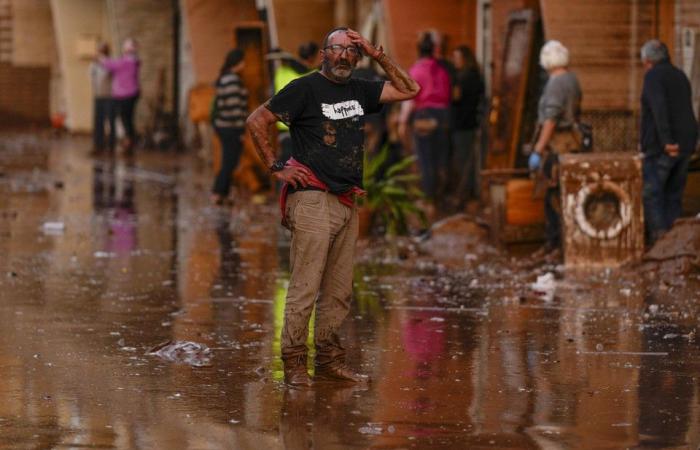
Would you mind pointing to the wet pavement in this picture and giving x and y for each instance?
(106, 263)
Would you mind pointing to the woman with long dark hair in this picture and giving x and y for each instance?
(228, 117)
(467, 94)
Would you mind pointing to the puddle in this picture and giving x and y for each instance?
(462, 351)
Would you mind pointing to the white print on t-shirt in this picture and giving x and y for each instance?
(342, 110)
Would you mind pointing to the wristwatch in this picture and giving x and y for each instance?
(276, 166)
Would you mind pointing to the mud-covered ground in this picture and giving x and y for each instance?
(103, 259)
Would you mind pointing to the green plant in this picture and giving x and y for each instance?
(392, 195)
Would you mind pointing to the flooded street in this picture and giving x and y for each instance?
(104, 262)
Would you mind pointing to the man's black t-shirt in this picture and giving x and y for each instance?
(326, 121)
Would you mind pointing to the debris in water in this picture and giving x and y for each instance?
(545, 285)
(185, 352)
(625, 353)
(371, 429)
(670, 335)
(53, 227)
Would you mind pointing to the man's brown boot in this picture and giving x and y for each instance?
(295, 373)
(339, 371)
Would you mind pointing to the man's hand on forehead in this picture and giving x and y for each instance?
(363, 44)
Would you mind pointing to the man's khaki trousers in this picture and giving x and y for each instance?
(324, 232)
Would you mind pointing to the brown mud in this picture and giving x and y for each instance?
(462, 351)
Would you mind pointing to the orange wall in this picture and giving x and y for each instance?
(211, 24)
(289, 14)
(406, 18)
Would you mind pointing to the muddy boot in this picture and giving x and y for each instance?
(331, 366)
(295, 373)
(339, 371)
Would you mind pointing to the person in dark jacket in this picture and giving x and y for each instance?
(467, 93)
(668, 135)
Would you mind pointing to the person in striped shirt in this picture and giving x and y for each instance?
(228, 117)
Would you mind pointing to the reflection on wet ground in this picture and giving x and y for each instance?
(463, 356)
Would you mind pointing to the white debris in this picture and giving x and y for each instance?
(370, 429)
(670, 335)
(653, 309)
(53, 227)
(626, 292)
(545, 285)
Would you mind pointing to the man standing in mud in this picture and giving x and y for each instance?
(325, 113)
(668, 136)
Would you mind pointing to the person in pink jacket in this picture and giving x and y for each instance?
(125, 87)
(429, 115)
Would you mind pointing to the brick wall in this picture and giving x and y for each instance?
(210, 26)
(25, 94)
(455, 19)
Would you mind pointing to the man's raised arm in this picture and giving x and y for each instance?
(400, 85)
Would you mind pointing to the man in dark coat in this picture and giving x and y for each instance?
(668, 136)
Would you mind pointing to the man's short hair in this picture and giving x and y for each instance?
(554, 54)
(654, 51)
(328, 35)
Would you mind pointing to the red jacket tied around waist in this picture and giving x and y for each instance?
(346, 198)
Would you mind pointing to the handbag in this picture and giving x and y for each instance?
(423, 126)
(578, 138)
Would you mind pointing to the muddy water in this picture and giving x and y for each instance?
(463, 355)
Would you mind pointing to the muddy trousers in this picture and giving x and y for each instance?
(324, 232)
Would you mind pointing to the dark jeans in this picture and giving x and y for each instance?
(125, 108)
(433, 150)
(552, 217)
(231, 149)
(104, 112)
(466, 164)
(552, 201)
(664, 181)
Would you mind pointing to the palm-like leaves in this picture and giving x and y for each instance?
(393, 196)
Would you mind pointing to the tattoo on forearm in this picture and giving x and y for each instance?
(262, 144)
(401, 80)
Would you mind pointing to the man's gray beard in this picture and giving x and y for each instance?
(342, 78)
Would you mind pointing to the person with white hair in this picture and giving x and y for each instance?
(668, 136)
(557, 114)
(125, 87)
